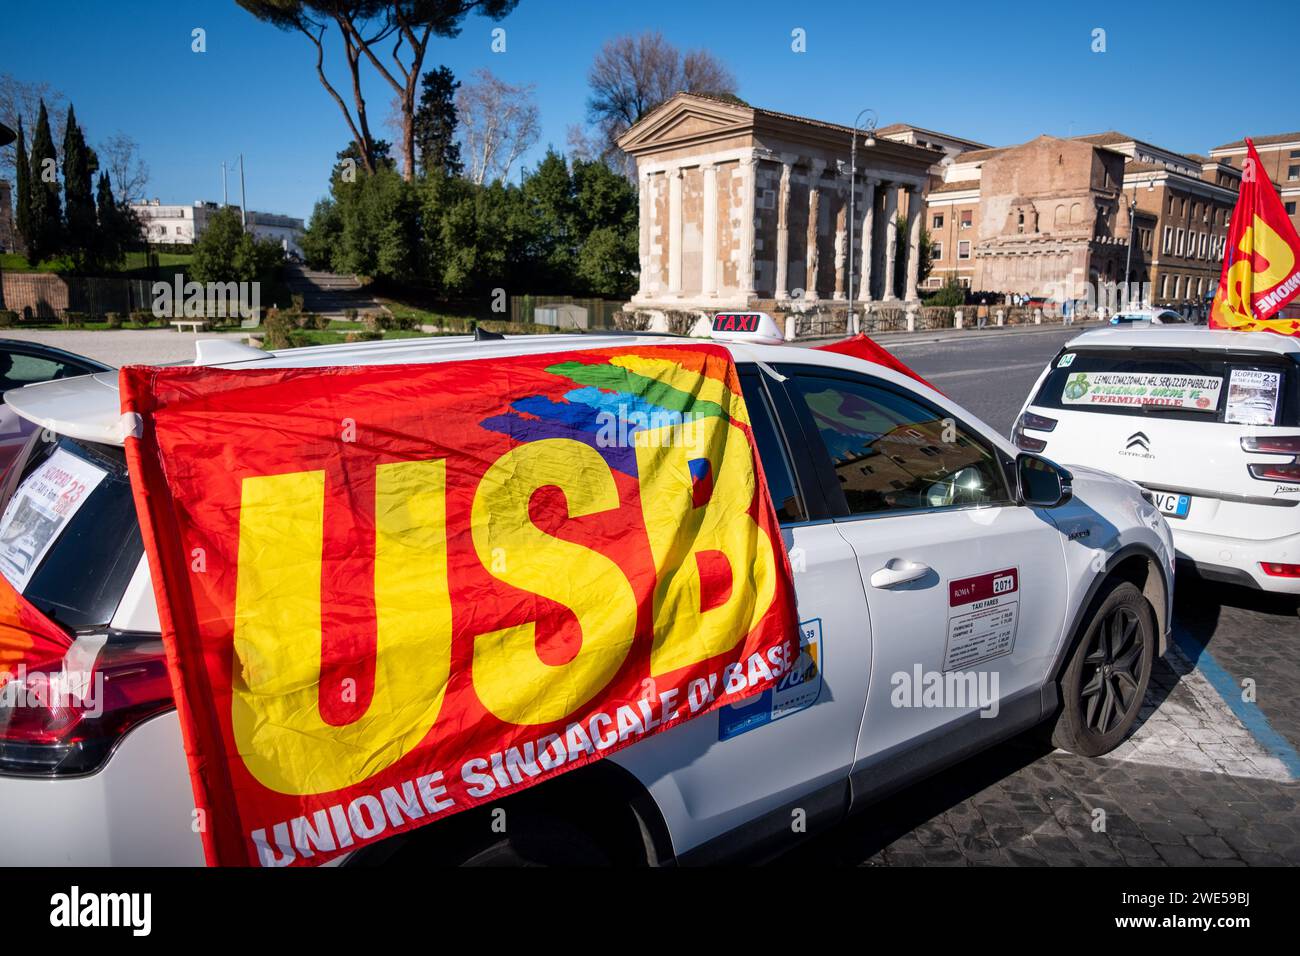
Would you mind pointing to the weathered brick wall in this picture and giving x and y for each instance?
(37, 296)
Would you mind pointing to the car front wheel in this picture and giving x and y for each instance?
(1104, 684)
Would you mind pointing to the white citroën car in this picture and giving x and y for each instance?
(903, 540)
(1207, 421)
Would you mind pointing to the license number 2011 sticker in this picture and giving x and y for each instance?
(797, 690)
(982, 615)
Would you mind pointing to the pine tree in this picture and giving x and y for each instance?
(79, 165)
(434, 125)
(22, 187)
(45, 229)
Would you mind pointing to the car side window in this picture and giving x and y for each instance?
(772, 454)
(894, 453)
(18, 369)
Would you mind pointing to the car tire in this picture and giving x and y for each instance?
(1106, 679)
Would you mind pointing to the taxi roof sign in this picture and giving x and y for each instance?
(746, 327)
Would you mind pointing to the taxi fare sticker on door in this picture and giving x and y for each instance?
(982, 615)
(797, 690)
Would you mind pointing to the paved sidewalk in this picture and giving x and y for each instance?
(124, 346)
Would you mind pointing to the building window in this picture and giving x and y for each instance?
(1290, 209)
(966, 219)
(936, 249)
(1205, 248)
(1293, 172)
(937, 222)
(1164, 287)
(963, 249)
(1169, 240)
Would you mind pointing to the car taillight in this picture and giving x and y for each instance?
(1287, 471)
(1280, 570)
(64, 719)
(1272, 444)
(1039, 423)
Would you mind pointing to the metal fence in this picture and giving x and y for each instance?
(565, 311)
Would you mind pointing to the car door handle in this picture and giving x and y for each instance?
(898, 571)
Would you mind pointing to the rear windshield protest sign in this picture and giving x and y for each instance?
(44, 503)
(390, 593)
(1190, 392)
(1252, 397)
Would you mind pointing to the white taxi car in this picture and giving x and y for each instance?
(1207, 421)
(951, 594)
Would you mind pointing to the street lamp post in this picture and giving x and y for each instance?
(870, 129)
(1132, 228)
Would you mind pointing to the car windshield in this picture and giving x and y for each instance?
(1240, 389)
(69, 541)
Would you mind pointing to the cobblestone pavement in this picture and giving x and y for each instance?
(1192, 786)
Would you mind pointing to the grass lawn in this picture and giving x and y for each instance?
(134, 267)
(462, 323)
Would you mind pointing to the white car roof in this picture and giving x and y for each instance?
(88, 407)
(1187, 337)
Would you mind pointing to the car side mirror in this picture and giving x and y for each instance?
(1042, 483)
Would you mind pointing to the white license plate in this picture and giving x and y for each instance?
(1172, 504)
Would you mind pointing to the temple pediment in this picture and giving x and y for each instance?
(686, 118)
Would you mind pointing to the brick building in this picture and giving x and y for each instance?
(1055, 213)
(1280, 154)
(1029, 219)
(749, 208)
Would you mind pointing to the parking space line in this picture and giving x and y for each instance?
(1251, 717)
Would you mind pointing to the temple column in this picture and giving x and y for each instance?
(745, 277)
(646, 203)
(913, 243)
(675, 232)
(868, 235)
(891, 240)
(709, 260)
(783, 234)
(812, 259)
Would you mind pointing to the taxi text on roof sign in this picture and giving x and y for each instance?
(746, 326)
(392, 593)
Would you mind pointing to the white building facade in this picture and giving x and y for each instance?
(183, 225)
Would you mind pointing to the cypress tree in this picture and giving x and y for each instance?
(22, 187)
(45, 235)
(79, 165)
(115, 225)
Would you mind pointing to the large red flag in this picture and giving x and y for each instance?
(1260, 273)
(389, 593)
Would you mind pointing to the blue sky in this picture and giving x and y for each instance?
(1184, 75)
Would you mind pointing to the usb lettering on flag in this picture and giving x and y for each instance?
(468, 596)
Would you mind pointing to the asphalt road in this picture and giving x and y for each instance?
(990, 375)
(1211, 775)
